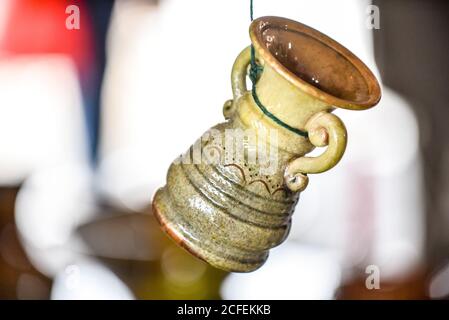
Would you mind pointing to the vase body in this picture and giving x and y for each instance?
(230, 197)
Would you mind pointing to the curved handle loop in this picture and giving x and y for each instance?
(325, 129)
(238, 81)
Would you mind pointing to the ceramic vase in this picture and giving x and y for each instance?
(230, 197)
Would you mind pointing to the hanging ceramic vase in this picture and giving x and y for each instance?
(230, 197)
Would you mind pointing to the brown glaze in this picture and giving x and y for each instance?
(316, 63)
(179, 240)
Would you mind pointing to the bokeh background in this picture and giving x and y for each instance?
(91, 118)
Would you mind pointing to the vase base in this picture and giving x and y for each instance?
(220, 257)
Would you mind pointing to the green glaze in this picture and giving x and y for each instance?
(230, 213)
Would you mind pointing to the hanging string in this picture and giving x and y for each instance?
(255, 70)
(254, 74)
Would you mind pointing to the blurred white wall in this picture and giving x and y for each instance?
(41, 116)
(89, 280)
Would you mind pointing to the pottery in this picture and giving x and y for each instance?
(230, 208)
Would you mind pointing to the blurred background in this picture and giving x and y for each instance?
(86, 117)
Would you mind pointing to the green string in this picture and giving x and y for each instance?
(255, 70)
(254, 75)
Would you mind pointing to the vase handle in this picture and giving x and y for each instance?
(324, 129)
(238, 81)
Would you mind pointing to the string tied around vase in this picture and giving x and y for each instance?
(254, 74)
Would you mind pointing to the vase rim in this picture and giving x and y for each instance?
(357, 90)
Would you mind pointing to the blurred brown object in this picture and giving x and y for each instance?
(18, 278)
(412, 286)
(412, 54)
(147, 261)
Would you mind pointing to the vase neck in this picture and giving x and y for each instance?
(287, 102)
